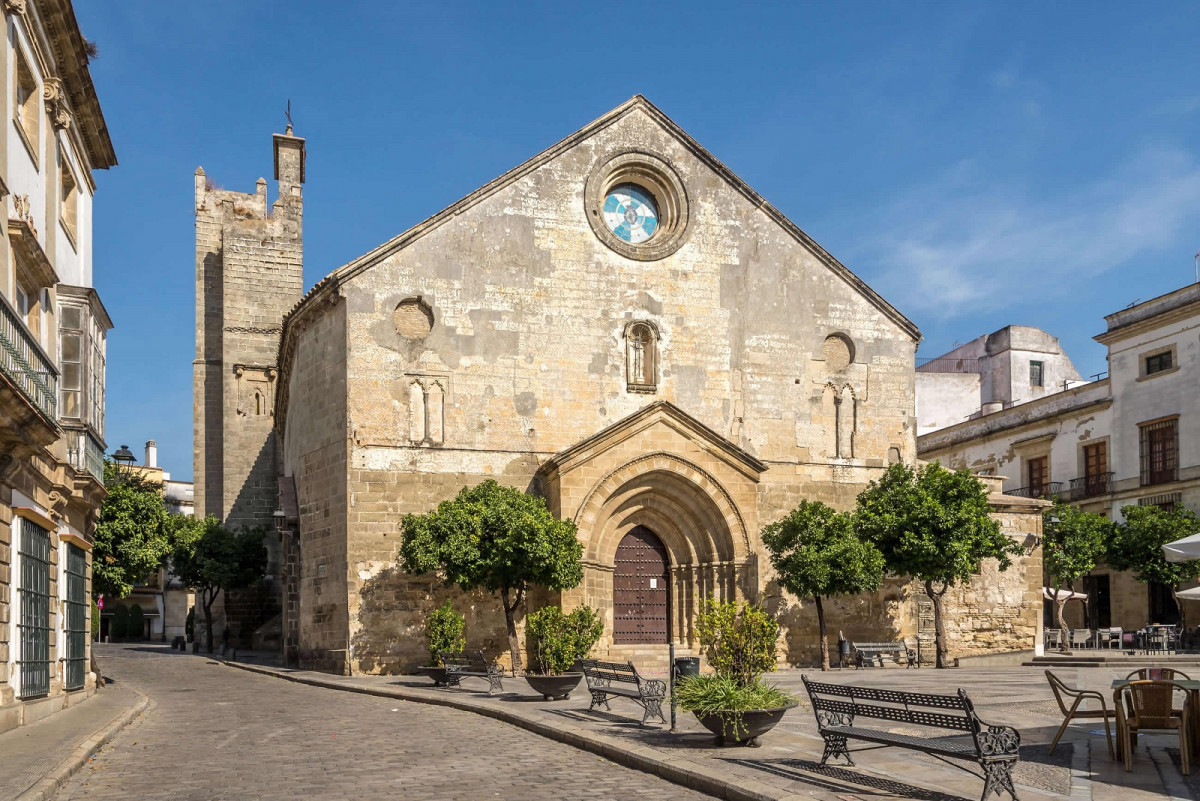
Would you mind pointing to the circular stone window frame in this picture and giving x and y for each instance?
(657, 178)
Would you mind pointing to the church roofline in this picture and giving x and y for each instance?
(347, 272)
(567, 456)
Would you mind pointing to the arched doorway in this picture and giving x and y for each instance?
(641, 594)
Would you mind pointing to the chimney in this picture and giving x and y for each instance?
(151, 453)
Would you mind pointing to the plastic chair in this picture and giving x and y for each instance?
(1063, 693)
(1051, 638)
(1081, 638)
(1111, 638)
(1164, 674)
(1149, 706)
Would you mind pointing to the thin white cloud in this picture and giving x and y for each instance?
(959, 245)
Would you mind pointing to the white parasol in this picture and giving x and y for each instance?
(1063, 595)
(1184, 550)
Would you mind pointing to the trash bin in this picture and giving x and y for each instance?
(686, 666)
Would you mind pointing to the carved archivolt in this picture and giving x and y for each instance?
(426, 409)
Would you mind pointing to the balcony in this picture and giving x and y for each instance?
(84, 453)
(26, 364)
(1089, 486)
(1049, 490)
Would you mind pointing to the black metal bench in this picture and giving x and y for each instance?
(472, 664)
(605, 679)
(870, 654)
(839, 711)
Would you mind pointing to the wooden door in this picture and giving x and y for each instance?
(641, 598)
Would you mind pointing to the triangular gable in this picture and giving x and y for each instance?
(659, 411)
(367, 260)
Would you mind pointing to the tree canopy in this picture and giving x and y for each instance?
(1136, 544)
(494, 538)
(209, 558)
(1072, 544)
(932, 524)
(130, 540)
(816, 553)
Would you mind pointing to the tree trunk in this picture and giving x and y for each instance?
(511, 624)
(208, 622)
(1064, 642)
(821, 627)
(939, 625)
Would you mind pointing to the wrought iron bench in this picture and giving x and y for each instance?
(870, 654)
(840, 710)
(605, 679)
(472, 664)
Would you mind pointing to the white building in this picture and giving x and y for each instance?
(1130, 438)
(53, 331)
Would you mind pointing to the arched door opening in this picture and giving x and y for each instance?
(641, 589)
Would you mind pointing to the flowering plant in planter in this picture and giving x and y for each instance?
(735, 703)
(444, 632)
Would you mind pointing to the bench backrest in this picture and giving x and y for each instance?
(880, 646)
(465, 659)
(954, 712)
(610, 671)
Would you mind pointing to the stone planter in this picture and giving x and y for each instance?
(553, 688)
(753, 724)
(440, 675)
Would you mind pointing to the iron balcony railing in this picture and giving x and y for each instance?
(26, 364)
(1048, 490)
(1090, 486)
(84, 453)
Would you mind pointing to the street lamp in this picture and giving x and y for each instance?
(125, 460)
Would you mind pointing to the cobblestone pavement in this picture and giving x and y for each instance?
(215, 732)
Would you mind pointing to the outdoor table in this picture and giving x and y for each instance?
(1193, 698)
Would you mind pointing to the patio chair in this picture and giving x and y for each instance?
(1165, 674)
(1149, 706)
(1109, 638)
(1051, 638)
(1063, 693)
(1080, 638)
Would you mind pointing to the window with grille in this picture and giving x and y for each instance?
(1159, 452)
(34, 595)
(1036, 371)
(77, 618)
(1158, 362)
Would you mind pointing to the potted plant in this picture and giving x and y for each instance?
(556, 642)
(443, 632)
(734, 703)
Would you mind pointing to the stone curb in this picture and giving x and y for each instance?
(686, 773)
(48, 786)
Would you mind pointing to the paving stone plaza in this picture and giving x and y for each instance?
(218, 729)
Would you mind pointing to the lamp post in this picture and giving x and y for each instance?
(125, 460)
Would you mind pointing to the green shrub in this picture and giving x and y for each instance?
(95, 621)
(557, 640)
(714, 693)
(120, 623)
(739, 639)
(444, 632)
(137, 622)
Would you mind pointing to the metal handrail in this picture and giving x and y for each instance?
(1090, 486)
(26, 364)
(1047, 490)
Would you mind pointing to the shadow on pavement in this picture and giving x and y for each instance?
(803, 770)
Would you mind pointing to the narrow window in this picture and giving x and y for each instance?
(1036, 370)
(68, 206)
(26, 111)
(71, 351)
(641, 358)
(1158, 362)
(416, 412)
(1095, 469)
(1159, 452)
(1038, 473)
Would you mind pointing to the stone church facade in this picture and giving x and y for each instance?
(620, 325)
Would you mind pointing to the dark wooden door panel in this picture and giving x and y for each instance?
(641, 598)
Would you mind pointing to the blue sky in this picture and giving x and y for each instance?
(977, 164)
